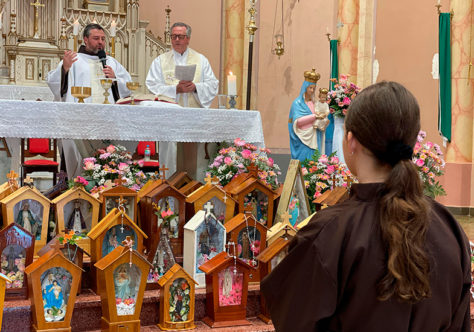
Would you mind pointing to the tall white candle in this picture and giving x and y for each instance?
(231, 84)
(75, 28)
(113, 27)
(439, 2)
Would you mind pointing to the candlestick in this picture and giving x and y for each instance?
(231, 84)
(112, 44)
(113, 27)
(75, 28)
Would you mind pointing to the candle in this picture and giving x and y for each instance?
(75, 26)
(439, 2)
(327, 30)
(113, 27)
(231, 84)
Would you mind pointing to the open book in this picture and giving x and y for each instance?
(148, 97)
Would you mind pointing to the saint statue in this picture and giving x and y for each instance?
(26, 220)
(245, 245)
(53, 296)
(303, 139)
(321, 110)
(122, 283)
(76, 221)
(227, 284)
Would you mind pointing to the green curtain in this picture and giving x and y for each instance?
(444, 103)
(334, 74)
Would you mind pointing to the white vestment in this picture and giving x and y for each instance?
(86, 71)
(161, 81)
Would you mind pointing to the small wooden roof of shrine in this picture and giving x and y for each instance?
(284, 223)
(198, 193)
(48, 256)
(23, 190)
(116, 254)
(219, 261)
(238, 219)
(4, 277)
(164, 186)
(272, 250)
(19, 229)
(178, 178)
(119, 190)
(190, 187)
(5, 186)
(305, 222)
(171, 272)
(108, 220)
(239, 186)
(332, 197)
(77, 191)
(54, 243)
(149, 186)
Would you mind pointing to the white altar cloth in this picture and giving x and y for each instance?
(19, 92)
(43, 119)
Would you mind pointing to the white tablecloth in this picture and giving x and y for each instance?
(160, 122)
(19, 92)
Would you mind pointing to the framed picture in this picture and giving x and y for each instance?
(293, 197)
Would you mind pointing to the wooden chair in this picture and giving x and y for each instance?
(34, 147)
(148, 166)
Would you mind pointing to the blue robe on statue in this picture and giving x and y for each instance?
(299, 150)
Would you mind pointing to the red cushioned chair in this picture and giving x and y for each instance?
(35, 147)
(149, 166)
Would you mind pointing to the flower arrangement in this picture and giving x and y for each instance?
(341, 96)
(230, 287)
(234, 160)
(108, 165)
(179, 300)
(429, 161)
(167, 219)
(69, 238)
(321, 172)
(17, 277)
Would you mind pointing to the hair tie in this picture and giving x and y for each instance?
(397, 151)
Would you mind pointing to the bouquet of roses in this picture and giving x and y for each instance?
(322, 172)
(428, 158)
(341, 96)
(234, 159)
(111, 163)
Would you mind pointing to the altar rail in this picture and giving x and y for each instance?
(160, 122)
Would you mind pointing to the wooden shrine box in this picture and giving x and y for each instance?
(283, 228)
(223, 203)
(30, 209)
(331, 197)
(3, 284)
(166, 197)
(176, 293)
(180, 179)
(16, 249)
(71, 251)
(149, 186)
(249, 191)
(294, 198)
(108, 234)
(112, 196)
(10, 186)
(53, 281)
(304, 222)
(122, 276)
(247, 234)
(226, 291)
(203, 239)
(268, 260)
(190, 187)
(89, 208)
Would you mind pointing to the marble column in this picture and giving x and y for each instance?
(366, 42)
(348, 23)
(233, 45)
(461, 149)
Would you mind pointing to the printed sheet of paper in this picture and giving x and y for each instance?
(185, 73)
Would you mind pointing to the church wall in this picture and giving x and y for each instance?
(204, 17)
(306, 46)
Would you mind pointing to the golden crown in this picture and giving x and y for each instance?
(323, 91)
(312, 76)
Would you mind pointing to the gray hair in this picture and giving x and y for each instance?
(181, 24)
(89, 27)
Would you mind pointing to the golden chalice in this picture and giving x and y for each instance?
(132, 86)
(106, 84)
(81, 92)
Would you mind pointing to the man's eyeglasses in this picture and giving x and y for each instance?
(180, 37)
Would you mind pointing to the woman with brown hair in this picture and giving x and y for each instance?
(388, 258)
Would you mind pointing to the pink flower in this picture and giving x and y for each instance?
(335, 160)
(420, 162)
(110, 149)
(246, 154)
(104, 155)
(270, 162)
(346, 101)
(169, 212)
(323, 159)
(228, 160)
(330, 169)
(141, 162)
(123, 166)
(304, 170)
(88, 165)
(239, 142)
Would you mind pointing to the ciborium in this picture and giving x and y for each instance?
(106, 84)
(81, 92)
(132, 86)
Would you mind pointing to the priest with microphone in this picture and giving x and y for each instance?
(86, 68)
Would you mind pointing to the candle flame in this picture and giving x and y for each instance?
(230, 73)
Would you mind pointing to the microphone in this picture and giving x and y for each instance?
(102, 57)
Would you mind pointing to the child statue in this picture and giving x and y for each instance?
(321, 110)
